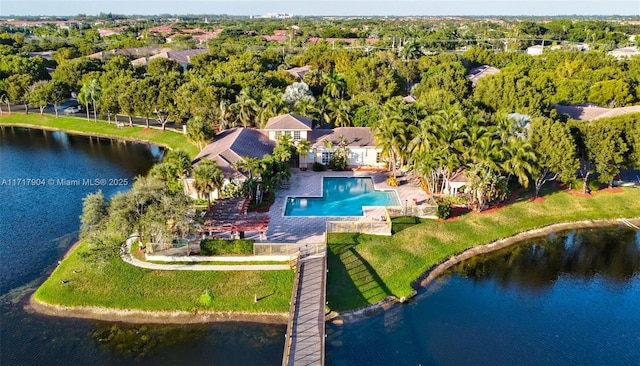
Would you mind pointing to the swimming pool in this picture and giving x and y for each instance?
(341, 197)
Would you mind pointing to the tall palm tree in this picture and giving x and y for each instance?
(246, 108)
(208, 178)
(248, 164)
(180, 161)
(340, 113)
(303, 147)
(391, 136)
(518, 160)
(91, 91)
(422, 136)
(335, 86)
(271, 105)
(449, 125)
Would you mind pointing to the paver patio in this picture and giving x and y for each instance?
(286, 229)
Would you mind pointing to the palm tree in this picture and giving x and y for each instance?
(303, 147)
(449, 125)
(518, 160)
(208, 178)
(422, 136)
(411, 51)
(335, 85)
(225, 114)
(246, 108)
(340, 113)
(390, 134)
(248, 164)
(180, 161)
(91, 91)
(271, 105)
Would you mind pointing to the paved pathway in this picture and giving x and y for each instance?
(125, 254)
(307, 345)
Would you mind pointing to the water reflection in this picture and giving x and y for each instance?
(537, 264)
(567, 299)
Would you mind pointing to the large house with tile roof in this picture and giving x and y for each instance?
(230, 146)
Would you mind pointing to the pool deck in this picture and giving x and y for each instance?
(288, 229)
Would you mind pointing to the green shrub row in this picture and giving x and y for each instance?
(225, 246)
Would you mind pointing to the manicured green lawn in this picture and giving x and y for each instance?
(169, 139)
(364, 269)
(119, 285)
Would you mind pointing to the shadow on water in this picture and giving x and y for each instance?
(537, 264)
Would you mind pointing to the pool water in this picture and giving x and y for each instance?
(341, 197)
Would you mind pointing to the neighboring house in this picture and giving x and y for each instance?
(299, 72)
(164, 29)
(298, 127)
(479, 72)
(457, 181)
(535, 50)
(181, 57)
(360, 142)
(277, 39)
(410, 99)
(228, 147)
(138, 52)
(624, 52)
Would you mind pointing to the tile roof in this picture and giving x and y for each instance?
(299, 72)
(355, 136)
(480, 72)
(182, 57)
(229, 146)
(289, 121)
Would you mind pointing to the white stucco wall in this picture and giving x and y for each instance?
(272, 134)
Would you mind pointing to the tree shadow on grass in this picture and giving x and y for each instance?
(352, 282)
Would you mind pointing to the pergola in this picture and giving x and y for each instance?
(230, 216)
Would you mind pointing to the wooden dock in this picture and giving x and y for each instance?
(305, 334)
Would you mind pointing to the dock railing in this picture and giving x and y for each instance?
(292, 311)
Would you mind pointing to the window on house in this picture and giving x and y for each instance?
(296, 135)
(278, 135)
(326, 157)
(378, 157)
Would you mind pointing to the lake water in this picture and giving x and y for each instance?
(570, 299)
(43, 178)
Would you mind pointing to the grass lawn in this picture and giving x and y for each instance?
(364, 269)
(78, 125)
(120, 285)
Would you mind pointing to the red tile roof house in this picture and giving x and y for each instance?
(230, 146)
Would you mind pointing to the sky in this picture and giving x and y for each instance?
(321, 8)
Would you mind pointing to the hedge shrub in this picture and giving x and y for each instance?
(226, 246)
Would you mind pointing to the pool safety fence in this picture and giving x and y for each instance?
(382, 227)
(426, 210)
(263, 249)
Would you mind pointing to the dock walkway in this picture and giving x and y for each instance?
(306, 346)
